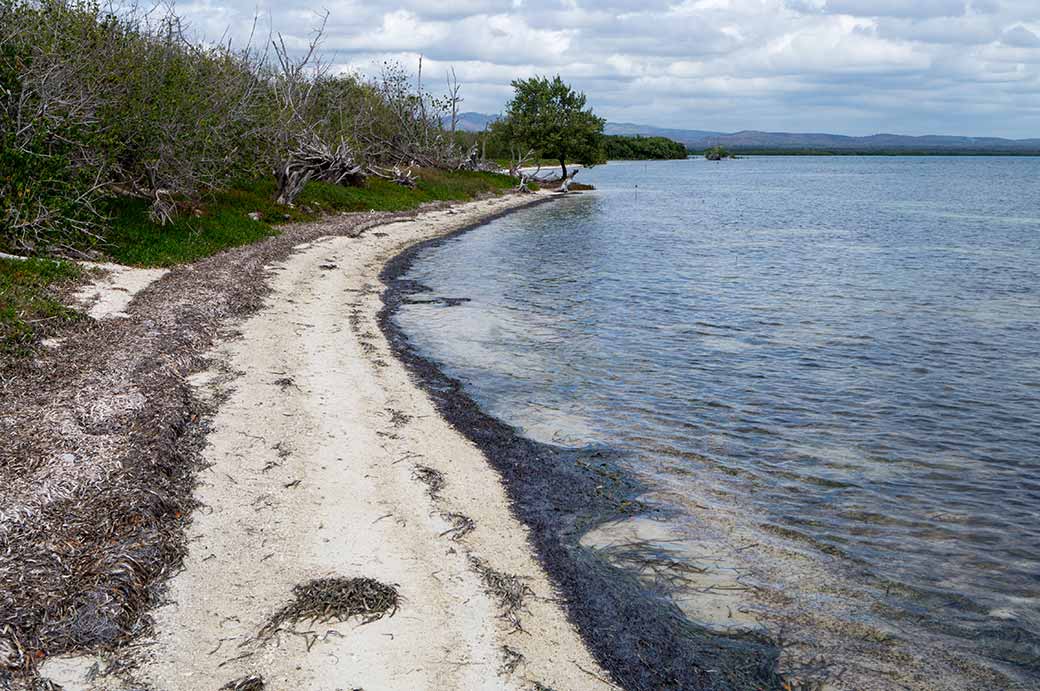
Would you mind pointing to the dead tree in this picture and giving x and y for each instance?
(316, 160)
(404, 177)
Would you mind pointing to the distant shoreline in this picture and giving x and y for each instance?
(909, 153)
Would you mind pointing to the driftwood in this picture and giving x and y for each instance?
(405, 177)
(565, 185)
(316, 160)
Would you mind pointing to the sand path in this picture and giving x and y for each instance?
(314, 458)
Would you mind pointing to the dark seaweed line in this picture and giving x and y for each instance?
(636, 633)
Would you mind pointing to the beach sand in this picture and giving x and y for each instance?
(328, 461)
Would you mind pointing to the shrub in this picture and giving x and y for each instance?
(95, 104)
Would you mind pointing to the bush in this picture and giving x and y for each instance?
(717, 153)
(95, 105)
(620, 148)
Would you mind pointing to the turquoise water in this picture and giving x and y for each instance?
(826, 369)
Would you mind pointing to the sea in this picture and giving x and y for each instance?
(824, 373)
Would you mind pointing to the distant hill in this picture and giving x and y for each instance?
(472, 122)
(682, 136)
(752, 139)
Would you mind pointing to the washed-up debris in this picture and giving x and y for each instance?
(335, 600)
(461, 525)
(509, 590)
(284, 382)
(511, 659)
(431, 477)
(100, 449)
(252, 682)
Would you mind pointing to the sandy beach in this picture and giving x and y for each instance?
(324, 460)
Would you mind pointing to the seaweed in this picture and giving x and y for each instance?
(461, 525)
(509, 590)
(335, 600)
(100, 447)
(251, 682)
(431, 477)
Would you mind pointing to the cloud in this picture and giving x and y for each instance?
(1021, 37)
(898, 8)
(850, 66)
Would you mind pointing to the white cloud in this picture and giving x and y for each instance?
(853, 66)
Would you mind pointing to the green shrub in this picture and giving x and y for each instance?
(29, 305)
(620, 148)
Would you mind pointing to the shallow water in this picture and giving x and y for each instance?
(827, 369)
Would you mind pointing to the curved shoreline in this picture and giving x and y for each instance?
(635, 632)
(321, 460)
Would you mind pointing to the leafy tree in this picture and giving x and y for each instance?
(621, 148)
(549, 116)
(717, 153)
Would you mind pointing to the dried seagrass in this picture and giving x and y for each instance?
(252, 682)
(335, 600)
(508, 589)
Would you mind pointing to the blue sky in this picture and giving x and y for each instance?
(969, 67)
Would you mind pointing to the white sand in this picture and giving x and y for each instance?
(107, 296)
(357, 510)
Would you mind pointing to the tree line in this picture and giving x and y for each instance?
(95, 104)
(618, 148)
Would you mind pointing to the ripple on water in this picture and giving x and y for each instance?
(826, 369)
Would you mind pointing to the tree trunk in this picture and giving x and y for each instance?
(563, 166)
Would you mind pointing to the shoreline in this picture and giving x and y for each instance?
(316, 457)
(636, 632)
(383, 477)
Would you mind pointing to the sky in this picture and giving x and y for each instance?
(959, 67)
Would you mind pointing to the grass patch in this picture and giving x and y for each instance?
(223, 221)
(30, 307)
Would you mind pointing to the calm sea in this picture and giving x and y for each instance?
(826, 370)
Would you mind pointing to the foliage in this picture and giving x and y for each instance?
(29, 307)
(97, 104)
(224, 221)
(717, 153)
(550, 118)
(619, 148)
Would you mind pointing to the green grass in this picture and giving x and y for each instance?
(223, 221)
(29, 304)
(30, 307)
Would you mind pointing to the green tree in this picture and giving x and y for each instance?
(549, 116)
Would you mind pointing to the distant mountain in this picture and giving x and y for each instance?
(629, 129)
(472, 122)
(751, 139)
